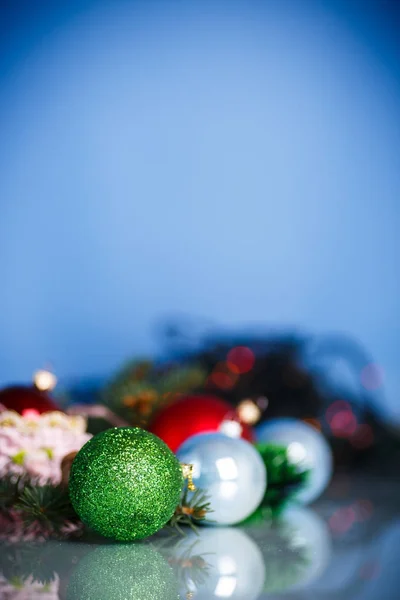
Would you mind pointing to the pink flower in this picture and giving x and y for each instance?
(36, 447)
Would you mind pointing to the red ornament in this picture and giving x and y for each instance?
(195, 414)
(22, 398)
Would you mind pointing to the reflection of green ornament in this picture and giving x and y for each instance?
(125, 483)
(121, 572)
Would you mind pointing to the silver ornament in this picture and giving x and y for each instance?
(306, 447)
(230, 470)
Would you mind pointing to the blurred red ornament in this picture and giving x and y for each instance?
(24, 398)
(21, 398)
(189, 415)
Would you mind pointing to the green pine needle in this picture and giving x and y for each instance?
(285, 478)
(193, 508)
(47, 506)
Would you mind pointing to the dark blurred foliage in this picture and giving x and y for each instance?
(293, 375)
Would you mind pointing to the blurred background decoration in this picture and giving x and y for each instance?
(240, 384)
(237, 160)
(330, 382)
(234, 160)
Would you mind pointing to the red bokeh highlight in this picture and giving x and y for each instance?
(190, 415)
(222, 377)
(342, 520)
(344, 423)
(240, 359)
(30, 413)
(341, 419)
(335, 407)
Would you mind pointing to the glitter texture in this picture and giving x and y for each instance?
(123, 572)
(125, 483)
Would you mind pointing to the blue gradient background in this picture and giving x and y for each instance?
(233, 160)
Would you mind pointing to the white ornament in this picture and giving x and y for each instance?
(306, 447)
(230, 470)
(232, 562)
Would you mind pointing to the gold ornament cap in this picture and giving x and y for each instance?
(187, 472)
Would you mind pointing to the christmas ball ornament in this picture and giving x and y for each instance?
(27, 398)
(223, 562)
(129, 572)
(31, 400)
(191, 415)
(306, 448)
(230, 470)
(125, 483)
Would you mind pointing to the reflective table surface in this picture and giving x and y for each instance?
(345, 546)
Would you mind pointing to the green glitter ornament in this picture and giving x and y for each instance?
(121, 572)
(125, 483)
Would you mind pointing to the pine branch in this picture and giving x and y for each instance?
(49, 509)
(285, 478)
(193, 508)
(47, 505)
(43, 507)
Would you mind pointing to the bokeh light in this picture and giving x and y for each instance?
(249, 412)
(342, 520)
(44, 380)
(296, 453)
(341, 419)
(231, 428)
(344, 423)
(30, 413)
(262, 402)
(372, 377)
(222, 377)
(240, 359)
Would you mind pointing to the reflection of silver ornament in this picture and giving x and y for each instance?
(224, 563)
(306, 448)
(296, 548)
(310, 534)
(230, 470)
